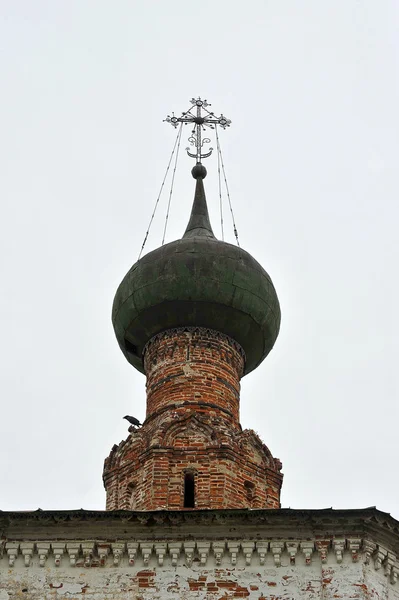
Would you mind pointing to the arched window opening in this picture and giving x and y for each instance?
(189, 490)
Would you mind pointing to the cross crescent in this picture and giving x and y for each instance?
(199, 115)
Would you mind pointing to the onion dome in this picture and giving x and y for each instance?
(197, 281)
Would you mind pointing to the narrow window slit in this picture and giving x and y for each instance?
(189, 490)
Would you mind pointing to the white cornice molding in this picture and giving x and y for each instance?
(242, 553)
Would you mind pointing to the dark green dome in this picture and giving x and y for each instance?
(197, 281)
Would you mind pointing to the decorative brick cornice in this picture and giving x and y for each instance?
(369, 524)
(313, 516)
(187, 404)
(203, 331)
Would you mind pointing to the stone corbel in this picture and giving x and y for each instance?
(73, 551)
(189, 552)
(12, 552)
(307, 549)
(380, 557)
(43, 548)
(58, 551)
(160, 551)
(174, 518)
(174, 551)
(146, 552)
(389, 564)
(261, 548)
(27, 552)
(395, 573)
(233, 548)
(159, 518)
(117, 551)
(323, 547)
(339, 547)
(248, 548)
(103, 550)
(87, 549)
(143, 519)
(354, 547)
(276, 549)
(369, 548)
(218, 549)
(203, 550)
(292, 549)
(132, 548)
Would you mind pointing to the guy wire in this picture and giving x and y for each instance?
(171, 185)
(160, 192)
(220, 187)
(227, 187)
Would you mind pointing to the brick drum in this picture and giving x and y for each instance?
(191, 451)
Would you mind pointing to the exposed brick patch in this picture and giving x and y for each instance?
(145, 579)
(230, 589)
(227, 584)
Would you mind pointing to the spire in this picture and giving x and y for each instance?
(199, 223)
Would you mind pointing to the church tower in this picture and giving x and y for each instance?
(194, 316)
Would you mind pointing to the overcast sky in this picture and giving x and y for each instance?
(311, 158)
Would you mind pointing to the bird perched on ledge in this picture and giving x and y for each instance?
(133, 421)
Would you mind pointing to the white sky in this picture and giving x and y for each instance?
(312, 164)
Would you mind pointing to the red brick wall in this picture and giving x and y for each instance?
(196, 366)
(192, 425)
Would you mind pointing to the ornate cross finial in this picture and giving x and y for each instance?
(200, 118)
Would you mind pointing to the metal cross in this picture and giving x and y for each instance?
(200, 117)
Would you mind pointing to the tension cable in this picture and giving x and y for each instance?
(160, 192)
(219, 151)
(171, 185)
(220, 193)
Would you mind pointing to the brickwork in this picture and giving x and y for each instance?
(192, 427)
(196, 366)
